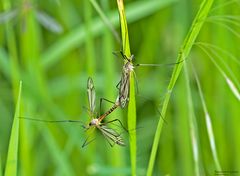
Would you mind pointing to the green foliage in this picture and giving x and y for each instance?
(132, 102)
(54, 46)
(182, 55)
(12, 158)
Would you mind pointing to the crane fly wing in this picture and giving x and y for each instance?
(124, 89)
(91, 96)
(112, 136)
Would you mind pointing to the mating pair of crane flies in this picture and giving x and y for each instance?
(111, 135)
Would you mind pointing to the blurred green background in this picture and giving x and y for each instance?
(54, 46)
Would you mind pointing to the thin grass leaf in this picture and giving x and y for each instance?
(223, 5)
(12, 158)
(57, 154)
(219, 50)
(226, 26)
(227, 68)
(49, 22)
(1, 166)
(231, 85)
(183, 54)
(90, 48)
(230, 19)
(132, 103)
(4, 63)
(192, 125)
(7, 16)
(209, 125)
(233, 88)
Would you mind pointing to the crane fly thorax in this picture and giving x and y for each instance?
(94, 122)
(128, 67)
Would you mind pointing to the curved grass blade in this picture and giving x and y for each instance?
(132, 102)
(183, 54)
(48, 22)
(208, 124)
(192, 125)
(12, 158)
(229, 82)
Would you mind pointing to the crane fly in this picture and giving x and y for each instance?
(112, 136)
(123, 85)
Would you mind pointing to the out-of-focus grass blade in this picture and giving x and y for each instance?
(134, 11)
(192, 125)
(209, 125)
(233, 88)
(105, 20)
(12, 158)
(59, 156)
(183, 54)
(0, 166)
(132, 102)
(4, 63)
(7, 16)
(48, 22)
(229, 82)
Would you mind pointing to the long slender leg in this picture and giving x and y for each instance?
(101, 99)
(87, 141)
(115, 120)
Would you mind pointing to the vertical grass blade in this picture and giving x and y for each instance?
(0, 166)
(132, 102)
(209, 125)
(91, 65)
(192, 125)
(12, 158)
(183, 54)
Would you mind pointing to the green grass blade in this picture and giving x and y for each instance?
(1, 166)
(183, 54)
(12, 158)
(132, 102)
(209, 125)
(192, 125)
(4, 64)
(132, 125)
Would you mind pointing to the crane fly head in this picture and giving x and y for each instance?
(93, 122)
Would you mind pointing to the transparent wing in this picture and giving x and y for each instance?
(112, 136)
(91, 96)
(124, 89)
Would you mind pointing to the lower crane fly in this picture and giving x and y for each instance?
(111, 135)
